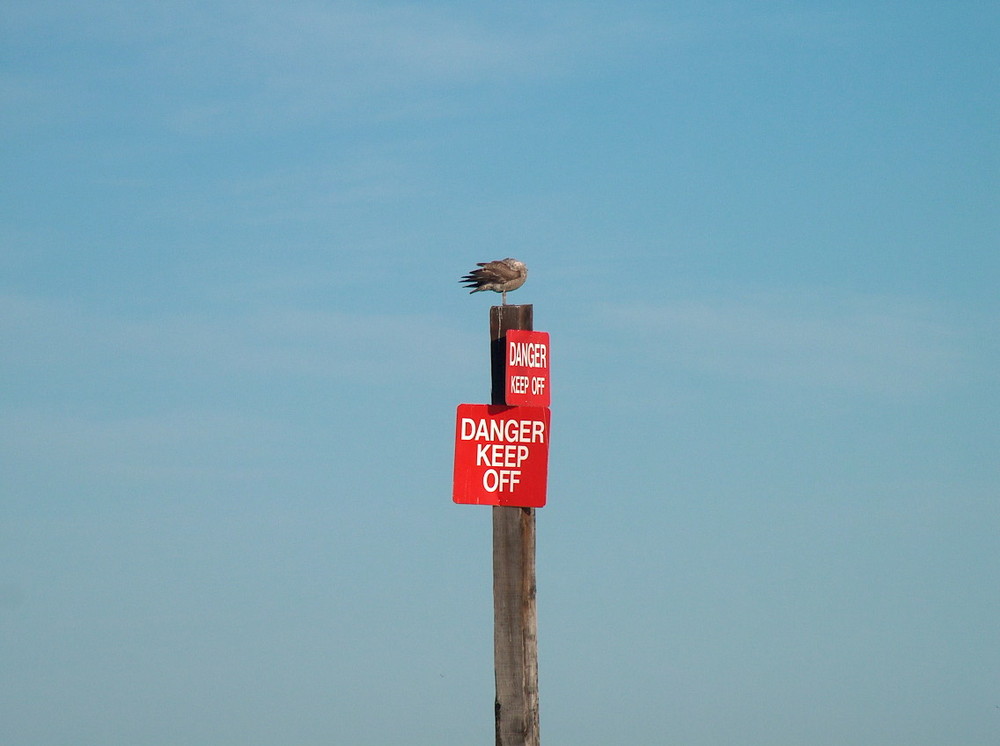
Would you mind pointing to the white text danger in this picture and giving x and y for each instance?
(528, 354)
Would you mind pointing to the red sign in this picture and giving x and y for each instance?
(501, 455)
(527, 368)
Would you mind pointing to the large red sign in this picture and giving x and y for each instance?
(501, 455)
(527, 368)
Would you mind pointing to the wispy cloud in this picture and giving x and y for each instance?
(281, 340)
(802, 339)
(208, 67)
(184, 444)
(217, 397)
(223, 67)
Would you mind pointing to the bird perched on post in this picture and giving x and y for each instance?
(500, 276)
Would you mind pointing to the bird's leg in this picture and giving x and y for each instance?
(503, 297)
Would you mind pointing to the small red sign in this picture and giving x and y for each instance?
(527, 369)
(501, 455)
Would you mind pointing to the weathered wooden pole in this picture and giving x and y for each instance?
(515, 618)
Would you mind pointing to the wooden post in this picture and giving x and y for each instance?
(515, 619)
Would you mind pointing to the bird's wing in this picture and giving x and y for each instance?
(499, 271)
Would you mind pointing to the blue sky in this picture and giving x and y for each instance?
(763, 237)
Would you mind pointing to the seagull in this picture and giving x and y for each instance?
(499, 276)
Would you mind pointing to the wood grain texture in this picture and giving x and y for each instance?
(515, 619)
